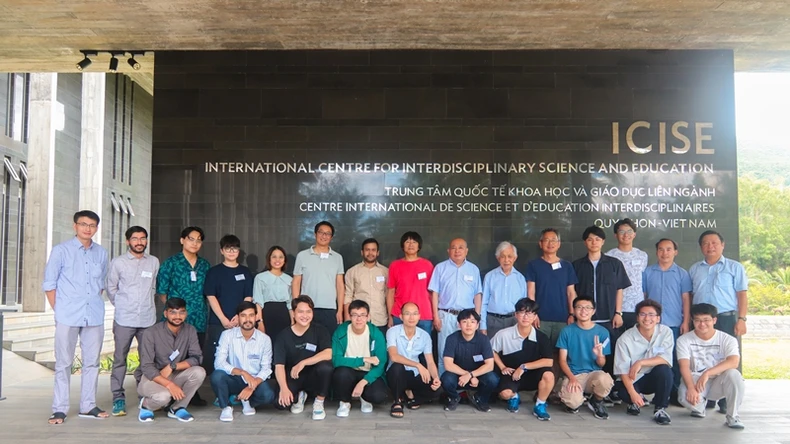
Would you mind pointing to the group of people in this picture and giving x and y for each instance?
(602, 329)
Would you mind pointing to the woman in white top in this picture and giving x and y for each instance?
(272, 292)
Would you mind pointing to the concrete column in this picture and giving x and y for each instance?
(46, 116)
(92, 145)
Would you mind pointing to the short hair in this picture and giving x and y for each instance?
(412, 303)
(356, 304)
(502, 246)
(648, 303)
(186, 231)
(246, 305)
(468, 313)
(135, 229)
(622, 222)
(369, 240)
(708, 233)
(598, 231)
(413, 235)
(550, 230)
(583, 299)
(229, 240)
(704, 309)
(175, 304)
(269, 257)
(664, 239)
(527, 304)
(323, 222)
(300, 299)
(86, 213)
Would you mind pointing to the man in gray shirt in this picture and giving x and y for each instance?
(131, 284)
(170, 370)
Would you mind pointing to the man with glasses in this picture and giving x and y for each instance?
(183, 276)
(524, 357)
(502, 288)
(131, 284)
(643, 361)
(635, 261)
(708, 360)
(367, 281)
(318, 273)
(73, 283)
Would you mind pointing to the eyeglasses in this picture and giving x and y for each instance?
(357, 316)
(138, 239)
(703, 320)
(194, 240)
(410, 313)
(648, 315)
(177, 312)
(84, 225)
(526, 314)
(231, 249)
(325, 233)
(625, 232)
(584, 307)
(550, 241)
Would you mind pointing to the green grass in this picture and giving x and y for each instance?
(766, 359)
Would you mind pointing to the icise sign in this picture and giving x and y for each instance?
(680, 137)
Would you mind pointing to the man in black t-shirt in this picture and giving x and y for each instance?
(303, 360)
(524, 356)
(468, 363)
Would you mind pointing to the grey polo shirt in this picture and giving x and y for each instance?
(319, 272)
(131, 287)
(159, 345)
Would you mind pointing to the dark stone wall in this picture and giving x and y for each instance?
(433, 106)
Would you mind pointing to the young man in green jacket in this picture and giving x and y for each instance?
(359, 354)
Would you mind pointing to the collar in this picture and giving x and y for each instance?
(672, 268)
(722, 260)
(312, 251)
(533, 335)
(236, 332)
(451, 263)
(377, 265)
(76, 242)
(129, 255)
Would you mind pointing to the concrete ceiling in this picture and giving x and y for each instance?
(46, 35)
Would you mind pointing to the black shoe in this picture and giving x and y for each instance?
(633, 409)
(598, 409)
(452, 404)
(722, 406)
(479, 404)
(673, 399)
(710, 404)
(571, 410)
(661, 417)
(614, 398)
(197, 401)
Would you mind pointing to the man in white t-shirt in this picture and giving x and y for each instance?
(708, 361)
(635, 261)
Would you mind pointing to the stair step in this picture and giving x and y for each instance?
(47, 353)
(23, 331)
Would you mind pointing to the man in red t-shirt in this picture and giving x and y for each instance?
(408, 282)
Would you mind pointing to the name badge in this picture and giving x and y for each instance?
(379, 278)
(556, 266)
(147, 274)
(478, 358)
(310, 347)
(174, 355)
(239, 277)
(718, 357)
(324, 255)
(658, 350)
(422, 275)
(605, 342)
(193, 276)
(468, 278)
(253, 357)
(372, 345)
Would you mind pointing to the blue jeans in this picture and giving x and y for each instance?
(485, 388)
(425, 325)
(225, 385)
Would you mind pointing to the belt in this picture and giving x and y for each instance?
(504, 316)
(728, 313)
(451, 311)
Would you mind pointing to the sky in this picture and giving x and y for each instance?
(762, 107)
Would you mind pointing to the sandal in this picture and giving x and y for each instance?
(396, 411)
(57, 418)
(413, 404)
(95, 413)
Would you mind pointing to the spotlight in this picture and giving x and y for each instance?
(133, 63)
(113, 64)
(85, 62)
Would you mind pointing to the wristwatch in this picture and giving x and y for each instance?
(742, 318)
(524, 367)
(620, 313)
(173, 365)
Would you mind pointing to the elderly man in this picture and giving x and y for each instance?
(502, 288)
(455, 286)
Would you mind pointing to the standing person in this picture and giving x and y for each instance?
(226, 286)
(502, 288)
(272, 292)
(635, 261)
(318, 273)
(131, 285)
(73, 282)
(455, 286)
(408, 282)
(367, 281)
(670, 285)
(170, 371)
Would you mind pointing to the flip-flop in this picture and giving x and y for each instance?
(57, 418)
(95, 413)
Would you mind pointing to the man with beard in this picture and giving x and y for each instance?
(130, 287)
(243, 365)
(367, 281)
(170, 371)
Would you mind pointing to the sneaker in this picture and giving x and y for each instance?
(365, 406)
(343, 409)
(512, 404)
(227, 414)
(479, 404)
(571, 410)
(452, 404)
(539, 411)
(644, 400)
(197, 401)
(181, 414)
(247, 409)
(722, 406)
(734, 422)
(298, 406)
(661, 417)
(615, 398)
(598, 408)
(119, 407)
(145, 415)
(633, 409)
(234, 400)
(711, 404)
(318, 410)
(698, 411)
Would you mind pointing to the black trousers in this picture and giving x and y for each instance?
(344, 379)
(326, 317)
(658, 381)
(400, 380)
(314, 379)
(276, 318)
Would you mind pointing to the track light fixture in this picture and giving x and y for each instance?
(114, 59)
(86, 62)
(133, 63)
(113, 64)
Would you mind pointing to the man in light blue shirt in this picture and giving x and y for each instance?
(73, 282)
(455, 285)
(243, 365)
(502, 288)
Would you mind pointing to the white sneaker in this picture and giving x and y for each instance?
(227, 414)
(343, 409)
(734, 422)
(318, 410)
(298, 406)
(366, 407)
(247, 409)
